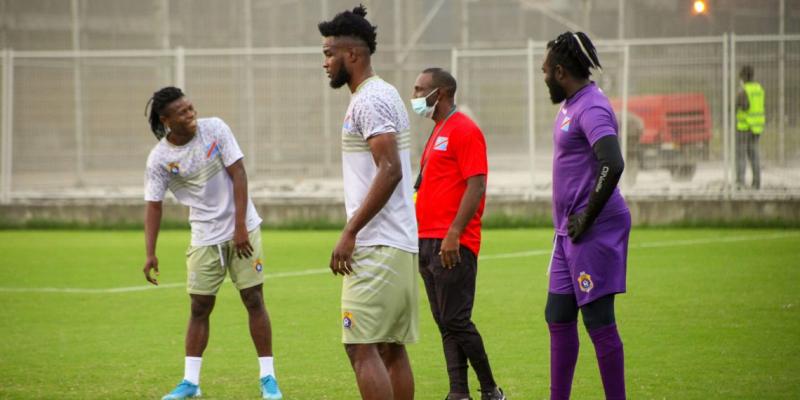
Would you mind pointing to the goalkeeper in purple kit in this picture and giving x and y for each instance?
(592, 221)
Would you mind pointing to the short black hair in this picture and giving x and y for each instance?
(160, 100)
(747, 73)
(351, 23)
(442, 79)
(575, 52)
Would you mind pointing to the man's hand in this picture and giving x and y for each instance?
(449, 252)
(241, 241)
(151, 264)
(576, 226)
(342, 256)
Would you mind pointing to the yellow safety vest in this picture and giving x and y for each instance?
(752, 119)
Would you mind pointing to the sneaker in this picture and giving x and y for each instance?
(184, 390)
(495, 394)
(269, 388)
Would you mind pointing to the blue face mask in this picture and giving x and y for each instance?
(420, 105)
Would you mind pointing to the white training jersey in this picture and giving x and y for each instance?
(195, 173)
(376, 108)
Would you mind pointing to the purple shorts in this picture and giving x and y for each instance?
(595, 266)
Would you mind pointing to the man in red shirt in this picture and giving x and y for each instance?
(450, 199)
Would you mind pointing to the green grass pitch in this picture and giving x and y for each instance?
(709, 313)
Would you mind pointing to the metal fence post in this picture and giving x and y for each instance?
(180, 68)
(454, 62)
(726, 119)
(782, 100)
(531, 115)
(7, 126)
(77, 83)
(732, 112)
(626, 59)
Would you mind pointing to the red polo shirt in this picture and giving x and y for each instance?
(455, 152)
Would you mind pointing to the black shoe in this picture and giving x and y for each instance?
(494, 394)
(457, 398)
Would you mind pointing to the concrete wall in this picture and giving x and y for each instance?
(328, 212)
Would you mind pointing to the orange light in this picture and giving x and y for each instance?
(699, 7)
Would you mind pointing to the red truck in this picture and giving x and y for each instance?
(671, 131)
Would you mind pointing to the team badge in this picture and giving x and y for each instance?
(347, 126)
(440, 144)
(585, 282)
(174, 168)
(565, 124)
(347, 319)
(257, 265)
(212, 149)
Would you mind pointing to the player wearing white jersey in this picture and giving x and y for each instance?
(377, 251)
(199, 161)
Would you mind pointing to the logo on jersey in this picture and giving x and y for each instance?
(212, 150)
(585, 282)
(174, 168)
(440, 144)
(348, 124)
(565, 124)
(347, 319)
(257, 265)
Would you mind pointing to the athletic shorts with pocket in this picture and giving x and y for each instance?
(207, 266)
(379, 298)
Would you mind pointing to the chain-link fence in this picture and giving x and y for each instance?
(675, 103)
(73, 123)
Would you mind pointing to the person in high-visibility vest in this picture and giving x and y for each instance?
(749, 126)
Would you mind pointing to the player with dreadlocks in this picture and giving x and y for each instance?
(377, 250)
(199, 161)
(592, 221)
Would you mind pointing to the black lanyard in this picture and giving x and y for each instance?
(434, 134)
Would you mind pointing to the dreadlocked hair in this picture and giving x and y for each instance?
(575, 52)
(160, 100)
(351, 23)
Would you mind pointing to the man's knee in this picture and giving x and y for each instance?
(599, 313)
(202, 306)
(560, 309)
(359, 352)
(252, 298)
(455, 325)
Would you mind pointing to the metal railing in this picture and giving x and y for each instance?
(72, 124)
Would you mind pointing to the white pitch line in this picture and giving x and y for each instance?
(519, 254)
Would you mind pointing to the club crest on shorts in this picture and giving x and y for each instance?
(257, 265)
(174, 168)
(585, 282)
(347, 319)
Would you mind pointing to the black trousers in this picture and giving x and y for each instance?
(747, 149)
(451, 293)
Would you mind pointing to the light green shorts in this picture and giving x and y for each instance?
(379, 299)
(207, 266)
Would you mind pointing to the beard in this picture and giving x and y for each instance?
(557, 93)
(341, 78)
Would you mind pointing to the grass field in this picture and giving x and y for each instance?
(709, 314)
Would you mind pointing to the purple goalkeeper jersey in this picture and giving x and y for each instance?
(582, 120)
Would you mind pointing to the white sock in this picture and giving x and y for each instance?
(192, 369)
(266, 366)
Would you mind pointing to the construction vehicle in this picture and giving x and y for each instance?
(667, 131)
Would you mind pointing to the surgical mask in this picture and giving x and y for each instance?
(420, 105)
